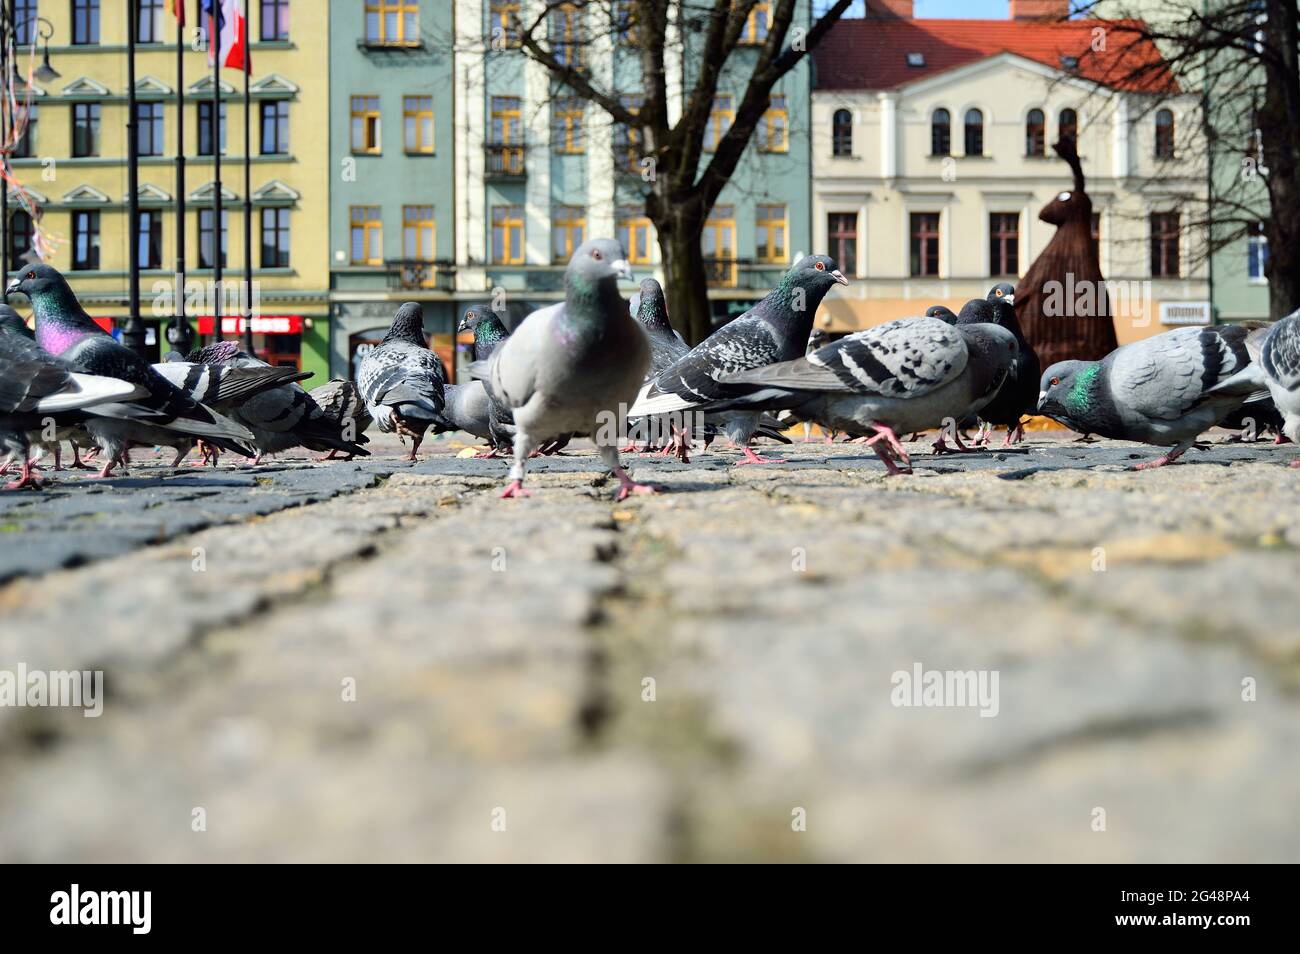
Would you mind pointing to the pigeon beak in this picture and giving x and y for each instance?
(11, 287)
(622, 269)
(1042, 400)
(839, 277)
(1009, 299)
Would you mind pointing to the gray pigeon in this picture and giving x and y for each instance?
(343, 404)
(1276, 367)
(1165, 390)
(402, 381)
(942, 312)
(907, 375)
(488, 333)
(573, 367)
(774, 330)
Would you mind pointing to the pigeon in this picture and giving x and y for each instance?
(907, 375)
(1164, 390)
(488, 333)
(66, 331)
(1019, 396)
(574, 366)
(1275, 352)
(468, 409)
(402, 381)
(774, 330)
(941, 312)
(666, 345)
(282, 417)
(39, 392)
(343, 404)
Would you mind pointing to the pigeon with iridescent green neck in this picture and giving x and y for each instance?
(487, 328)
(1165, 390)
(488, 333)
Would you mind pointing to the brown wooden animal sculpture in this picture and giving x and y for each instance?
(1071, 319)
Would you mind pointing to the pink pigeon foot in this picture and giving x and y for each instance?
(752, 458)
(627, 486)
(25, 480)
(1159, 461)
(515, 489)
(1294, 463)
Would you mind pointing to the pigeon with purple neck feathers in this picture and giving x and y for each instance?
(67, 332)
(402, 381)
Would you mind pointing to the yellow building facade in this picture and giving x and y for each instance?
(74, 171)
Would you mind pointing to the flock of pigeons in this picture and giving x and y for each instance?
(593, 366)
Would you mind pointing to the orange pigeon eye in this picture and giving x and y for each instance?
(1055, 381)
(595, 253)
(820, 267)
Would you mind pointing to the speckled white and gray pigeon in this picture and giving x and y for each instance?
(281, 417)
(774, 330)
(573, 367)
(402, 381)
(65, 330)
(1164, 390)
(1276, 367)
(906, 375)
(343, 404)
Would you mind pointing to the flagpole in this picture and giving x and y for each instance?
(181, 339)
(214, 46)
(248, 201)
(133, 333)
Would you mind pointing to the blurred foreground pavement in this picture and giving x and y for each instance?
(381, 661)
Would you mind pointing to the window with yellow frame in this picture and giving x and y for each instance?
(568, 231)
(770, 233)
(718, 243)
(774, 129)
(393, 22)
(507, 235)
(503, 24)
(564, 30)
(365, 124)
(627, 139)
(626, 23)
(566, 125)
(367, 235)
(419, 244)
(635, 232)
(417, 124)
(758, 23)
(720, 120)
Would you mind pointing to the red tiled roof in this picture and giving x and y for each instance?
(872, 53)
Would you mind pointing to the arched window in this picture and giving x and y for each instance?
(1035, 133)
(1165, 134)
(1067, 126)
(974, 132)
(940, 133)
(842, 133)
(20, 238)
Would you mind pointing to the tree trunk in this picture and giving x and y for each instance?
(1279, 118)
(685, 279)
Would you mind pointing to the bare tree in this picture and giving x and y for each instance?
(682, 181)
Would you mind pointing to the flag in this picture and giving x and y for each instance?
(228, 30)
(178, 8)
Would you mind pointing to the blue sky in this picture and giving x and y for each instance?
(969, 9)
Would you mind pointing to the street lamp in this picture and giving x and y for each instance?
(45, 73)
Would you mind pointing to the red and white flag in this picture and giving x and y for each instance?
(178, 8)
(228, 26)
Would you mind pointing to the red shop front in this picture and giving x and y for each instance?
(277, 339)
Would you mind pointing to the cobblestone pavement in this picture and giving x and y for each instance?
(380, 660)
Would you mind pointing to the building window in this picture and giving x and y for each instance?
(564, 31)
(20, 237)
(566, 125)
(770, 233)
(206, 219)
(634, 234)
(924, 243)
(1035, 133)
(720, 120)
(149, 22)
(365, 124)
(85, 241)
(1256, 254)
(274, 20)
(758, 23)
(85, 129)
(367, 235)
(25, 147)
(419, 233)
(205, 127)
(85, 29)
(568, 231)
(417, 124)
(719, 245)
(774, 130)
(24, 22)
(1164, 244)
(506, 137)
(842, 234)
(392, 22)
(1164, 134)
(842, 133)
(504, 22)
(507, 235)
(149, 238)
(1004, 243)
(1067, 127)
(625, 23)
(275, 128)
(275, 238)
(627, 140)
(941, 133)
(1096, 227)
(974, 132)
(149, 129)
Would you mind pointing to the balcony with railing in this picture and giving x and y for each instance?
(743, 273)
(410, 274)
(505, 161)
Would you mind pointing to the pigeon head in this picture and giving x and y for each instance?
(942, 312)
(595, 262)
(652, 310)
(36, 281)
(11, 323)
(483, 322)
(1003, 291)
(816, 273)
(408, 325)
(1066, 393)
(977, 311)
